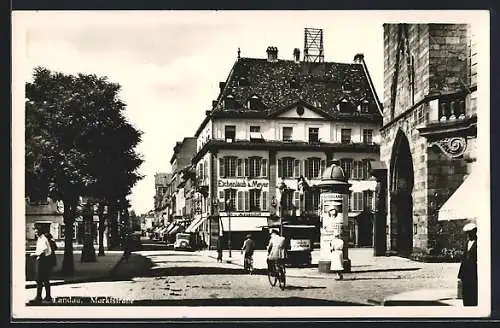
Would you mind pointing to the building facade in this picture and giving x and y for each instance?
(274, 127)
(162, 181)
(429, 130)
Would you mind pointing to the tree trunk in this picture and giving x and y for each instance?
(88, 251)
(114, 238)
(68, 267)
(102, 222)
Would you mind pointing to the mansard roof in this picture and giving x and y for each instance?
(285, 82)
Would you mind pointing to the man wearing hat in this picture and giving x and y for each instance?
(468, 268)
(247, 251)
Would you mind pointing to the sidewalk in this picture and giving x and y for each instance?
(84, 272)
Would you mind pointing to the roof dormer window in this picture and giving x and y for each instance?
(364, 107)
(229, 102)
(254, 103)
(346, 86)
(294, 83)
(243, 82)
(345, 106)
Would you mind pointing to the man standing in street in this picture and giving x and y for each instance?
(247, 251)
(468, 268)
(43, 267)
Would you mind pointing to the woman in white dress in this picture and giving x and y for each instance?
(337, 262)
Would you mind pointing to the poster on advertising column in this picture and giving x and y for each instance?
(331, 214)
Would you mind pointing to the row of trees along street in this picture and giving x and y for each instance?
(79, 144)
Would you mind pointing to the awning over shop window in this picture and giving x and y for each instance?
(244, 223)
(195, 224)
(174, 230)
(464, 202)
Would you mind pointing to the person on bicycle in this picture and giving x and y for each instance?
(275, 250)
(247, 251)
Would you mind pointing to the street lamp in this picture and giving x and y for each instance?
(228, 209)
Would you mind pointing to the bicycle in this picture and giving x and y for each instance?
(276, 273)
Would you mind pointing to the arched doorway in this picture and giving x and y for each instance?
(401, 186)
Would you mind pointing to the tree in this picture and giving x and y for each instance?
(67, 119)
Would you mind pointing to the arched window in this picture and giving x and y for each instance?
(229, 102)
(254, 103)
(364, 106)
(346, 106)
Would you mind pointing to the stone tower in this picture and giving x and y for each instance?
(429, 130)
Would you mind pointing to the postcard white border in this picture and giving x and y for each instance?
(20, 311)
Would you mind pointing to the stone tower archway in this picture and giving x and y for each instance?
(401, 204)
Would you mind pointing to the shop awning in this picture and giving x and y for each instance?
(195, 224)
(253, 223)
(174, 230)
(464, 202)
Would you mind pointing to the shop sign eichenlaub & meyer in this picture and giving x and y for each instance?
(242, 184)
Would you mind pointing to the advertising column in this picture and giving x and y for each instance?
(332, 219)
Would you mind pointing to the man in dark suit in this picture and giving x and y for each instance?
(468, 268)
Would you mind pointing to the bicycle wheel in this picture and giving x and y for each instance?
(271, 276)
(282, 278)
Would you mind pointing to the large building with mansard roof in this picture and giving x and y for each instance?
(277, 122)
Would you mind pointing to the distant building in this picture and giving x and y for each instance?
(429, 131)
(162, 181)
(277, 122)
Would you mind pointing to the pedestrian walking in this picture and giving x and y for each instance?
(337, 258)
(468, 267)
(43, 267)
(247, 251)
(220, 244)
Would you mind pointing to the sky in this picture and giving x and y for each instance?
(170, 63)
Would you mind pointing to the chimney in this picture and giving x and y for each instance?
(358, 59)
(272, 54)
(222, 85)
(214, 103)
(296, 55)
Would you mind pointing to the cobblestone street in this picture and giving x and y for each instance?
(195, 278)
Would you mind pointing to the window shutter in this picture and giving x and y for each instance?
(247, 168)
(280, 168)
(296, 199)
(222, 201)
(264, 201)
(239, 169)
(247, 200)
(323, 167)
(240, 201)
(263, 170)
(296, 171)
(306, 169)
(221, 167)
